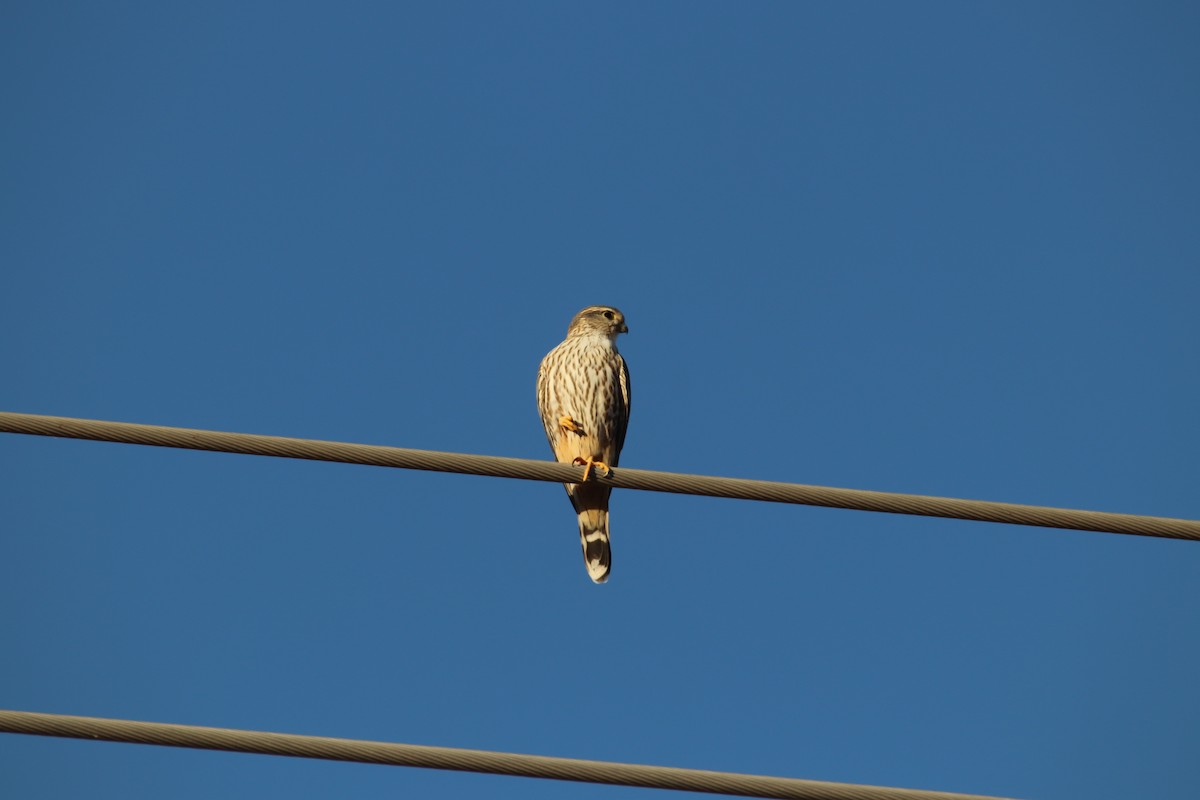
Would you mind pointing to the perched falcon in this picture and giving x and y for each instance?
(583, 396)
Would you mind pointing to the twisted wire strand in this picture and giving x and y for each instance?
(623, 478)
(450, 758)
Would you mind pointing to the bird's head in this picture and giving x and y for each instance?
(602, 320)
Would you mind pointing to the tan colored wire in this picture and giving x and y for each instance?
(624, 478)
(452, 758)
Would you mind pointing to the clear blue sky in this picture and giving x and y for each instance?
(943, 248)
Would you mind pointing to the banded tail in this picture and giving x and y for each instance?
(593, 534)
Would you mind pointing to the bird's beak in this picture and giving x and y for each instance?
(623, 329)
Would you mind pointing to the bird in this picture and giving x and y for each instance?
(583, 398)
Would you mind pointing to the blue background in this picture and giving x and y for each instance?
(942, 248)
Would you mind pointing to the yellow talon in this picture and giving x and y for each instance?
(589, 463)
(568, 424)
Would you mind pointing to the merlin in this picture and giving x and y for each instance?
(583, 396)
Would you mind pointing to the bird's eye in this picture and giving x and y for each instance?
(608, 315)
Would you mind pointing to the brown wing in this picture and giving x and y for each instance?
(621, 413)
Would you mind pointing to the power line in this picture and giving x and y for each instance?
(623, 478)
(452, 758)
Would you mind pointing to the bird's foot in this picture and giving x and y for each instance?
(570, 425)
(590, 463)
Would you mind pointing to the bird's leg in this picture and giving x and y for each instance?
(567, 424)
(588, 463)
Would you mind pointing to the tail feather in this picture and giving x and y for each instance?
(593, 534)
